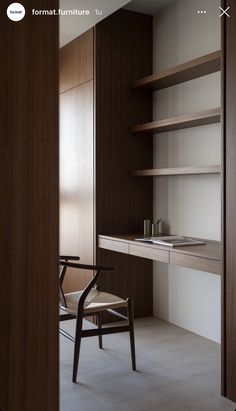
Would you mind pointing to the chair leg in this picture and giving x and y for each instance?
(131, 332)
(99, 320)
(78, 334)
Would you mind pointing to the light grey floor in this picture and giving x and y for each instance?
(177, 371)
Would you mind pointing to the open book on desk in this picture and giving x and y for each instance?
(171, 241)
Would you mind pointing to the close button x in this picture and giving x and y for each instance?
(224, 11)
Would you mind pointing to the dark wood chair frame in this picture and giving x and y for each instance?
(65, 262)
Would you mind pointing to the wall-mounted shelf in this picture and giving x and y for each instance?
(198, 67)
(177, 171)
(176, 123)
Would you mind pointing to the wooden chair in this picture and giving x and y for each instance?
(91, 302)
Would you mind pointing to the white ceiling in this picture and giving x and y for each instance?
(148, 6)
(72, 26)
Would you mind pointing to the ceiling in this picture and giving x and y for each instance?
(148, 6)
(72, 26)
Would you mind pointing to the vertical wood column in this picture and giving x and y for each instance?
(123, 54)
(229, 204)
(77, 156)
(29, 211)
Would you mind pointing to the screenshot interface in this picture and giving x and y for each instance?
(132, 98)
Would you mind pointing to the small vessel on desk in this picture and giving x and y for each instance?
(152, 229)
(171, 241)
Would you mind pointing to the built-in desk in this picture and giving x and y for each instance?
(204, 257)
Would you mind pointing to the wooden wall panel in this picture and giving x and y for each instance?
(76, 61)
(123, 55)
(29, 211)
(76, 179)
(229, 204)
(77, 156)
(132, 278)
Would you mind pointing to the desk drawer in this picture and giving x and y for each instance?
(149, 252)
(197, 263)
(113, 245)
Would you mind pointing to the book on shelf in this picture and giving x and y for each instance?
(171, 241)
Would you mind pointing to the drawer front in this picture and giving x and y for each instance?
(113, 245)
(197, 263)
(149, 252)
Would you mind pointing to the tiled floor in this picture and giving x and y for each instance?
(177, 371)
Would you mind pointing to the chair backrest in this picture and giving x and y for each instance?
(64, 258)
(90, 285)
(61, 293)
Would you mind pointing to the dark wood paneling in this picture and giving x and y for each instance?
(76, 180)
(229, 197)
(132, 278)
(123, 54)
(76, 61)
(29, 212)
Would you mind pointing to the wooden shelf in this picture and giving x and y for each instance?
(178, 171)
(198, 67)
(176, 123)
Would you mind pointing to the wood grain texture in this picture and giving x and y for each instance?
(209, 250)
(132, 277)
(77, 181)
(229, 204)
(29, 212)
(177, 171)
(76, 61)
(196, 263)
(176, 123)
(123, 55)
(204, 257)
(149, 252)
(198, 67)
(108, 244)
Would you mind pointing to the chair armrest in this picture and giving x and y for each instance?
(85, 266)
(69, 257)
